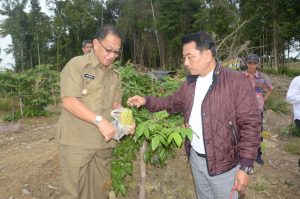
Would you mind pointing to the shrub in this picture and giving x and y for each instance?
(9, 117)
(37, 88)
(277, 103)
(290, 130)
(281, 71)
(5, 104)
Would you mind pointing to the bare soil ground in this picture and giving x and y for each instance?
(29, 165)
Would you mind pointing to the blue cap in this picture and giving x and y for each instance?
(252, 58)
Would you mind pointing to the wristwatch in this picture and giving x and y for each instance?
(98, 119)
(249, 170)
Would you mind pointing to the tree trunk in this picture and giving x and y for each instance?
(101, 13)
(142, 185)
(275, 47)
(38, 49)
(161, 59)
(20, 102)
(57, 54)
(22, 62)
(30, 56)
(275, 50)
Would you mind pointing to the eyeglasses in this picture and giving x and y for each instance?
(116, 53)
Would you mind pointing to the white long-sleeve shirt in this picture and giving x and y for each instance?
(293, 96)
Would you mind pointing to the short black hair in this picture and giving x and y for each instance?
(103, 31)
(86, 42)
(203, 40)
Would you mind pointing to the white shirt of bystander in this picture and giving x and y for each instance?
(293, 96)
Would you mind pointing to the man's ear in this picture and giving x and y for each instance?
(208, 54)
(95, 44)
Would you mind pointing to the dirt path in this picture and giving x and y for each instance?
(28, 160)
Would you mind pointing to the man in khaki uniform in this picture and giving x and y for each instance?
(90, 89)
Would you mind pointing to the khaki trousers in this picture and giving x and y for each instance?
(85, 173)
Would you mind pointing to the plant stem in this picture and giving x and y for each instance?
(142, 191)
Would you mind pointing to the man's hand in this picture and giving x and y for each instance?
(107, 130)
(241, 182)
(116, 105)
(137, 101)
(131, 129)
(260, 85)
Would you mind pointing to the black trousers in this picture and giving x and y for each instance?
(259, 152)
(297, 123)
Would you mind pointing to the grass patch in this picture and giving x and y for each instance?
(259, 186)
(292, 148)
(9, 117)
(295, 66)
(265, 134)
(5, 104)
(290, 70)
(277, 103)
(290, 131)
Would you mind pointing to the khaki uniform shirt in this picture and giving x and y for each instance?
(97, 89)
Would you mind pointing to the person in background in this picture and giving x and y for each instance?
(293, 97)
(87, 46)
(220, 107)
(90, 90)
(263, 89)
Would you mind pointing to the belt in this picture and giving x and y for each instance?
(201, 155)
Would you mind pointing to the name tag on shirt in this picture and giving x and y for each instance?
(89, 76)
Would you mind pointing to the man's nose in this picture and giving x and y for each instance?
(186, 62)
(111, 55)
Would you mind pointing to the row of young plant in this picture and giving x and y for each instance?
(157, 134)
(29, 93)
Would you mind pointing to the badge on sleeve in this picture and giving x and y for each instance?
(88, 76)
(84, 92)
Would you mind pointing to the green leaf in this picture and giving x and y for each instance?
(160, 115)
(155, 142)
(162, 154)
(190, 135)
(146, 156)
(186, 132)
(141, 130)
(170, 138)
(152, 127)
(163, 140)
(178, 139)
(122, 189)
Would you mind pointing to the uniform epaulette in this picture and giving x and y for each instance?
(116, 71)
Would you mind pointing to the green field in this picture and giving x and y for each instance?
(294, 66)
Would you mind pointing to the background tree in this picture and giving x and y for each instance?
(270, 29)
(152, 29)
(16, 25)
(40, 34)
(135, 19)
(73, 22)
